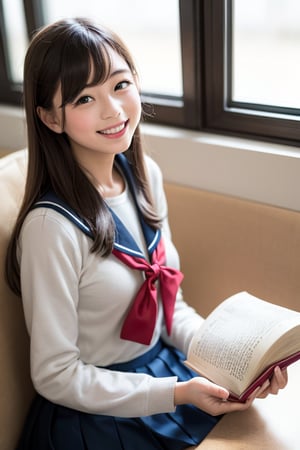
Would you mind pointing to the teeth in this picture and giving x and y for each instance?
(114, 130)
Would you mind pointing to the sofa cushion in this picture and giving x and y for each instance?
(16, 390)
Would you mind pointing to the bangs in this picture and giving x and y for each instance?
(85, 62)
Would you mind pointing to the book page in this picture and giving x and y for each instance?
(234, 336)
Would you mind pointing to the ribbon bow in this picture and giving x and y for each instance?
(140, 322)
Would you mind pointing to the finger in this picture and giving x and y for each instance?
(213, 389)
(278, 381)
(281, 377)
(264, 386)
(257, 392)
(230, 406)
(263, 390)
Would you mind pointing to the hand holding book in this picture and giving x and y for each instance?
(242, 341)
(212, 398)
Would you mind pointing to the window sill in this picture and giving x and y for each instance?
(259, 171)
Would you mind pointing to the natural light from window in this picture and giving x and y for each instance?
(150, 30)
(15, 30)
(266, 49)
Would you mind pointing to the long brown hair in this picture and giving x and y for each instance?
(62, 54)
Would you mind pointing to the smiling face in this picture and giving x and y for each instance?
(103, 117)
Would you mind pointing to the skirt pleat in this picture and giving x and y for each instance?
(54, 427)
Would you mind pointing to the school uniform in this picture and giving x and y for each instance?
(105, 379)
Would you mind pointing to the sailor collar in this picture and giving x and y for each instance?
(123, 240)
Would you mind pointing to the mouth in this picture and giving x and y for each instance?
(117, 129)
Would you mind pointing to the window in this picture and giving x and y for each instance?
(265, 50)
(224, 66)
(150, 29)
(16, 38)
(13, 43)
(231, 107)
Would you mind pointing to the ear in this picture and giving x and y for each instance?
(50, 119)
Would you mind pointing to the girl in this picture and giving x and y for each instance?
(92, 258)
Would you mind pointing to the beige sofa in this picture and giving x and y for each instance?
(15, 387)
(226, 245)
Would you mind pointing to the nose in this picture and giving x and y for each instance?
(110, 108)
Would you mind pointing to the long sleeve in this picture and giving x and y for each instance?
(52, 268)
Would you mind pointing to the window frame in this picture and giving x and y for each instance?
(185, 111)
(10, 93)
(206, 61)
(221, 114)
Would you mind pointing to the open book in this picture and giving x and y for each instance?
(241, 342)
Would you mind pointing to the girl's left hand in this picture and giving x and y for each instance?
(278, 381)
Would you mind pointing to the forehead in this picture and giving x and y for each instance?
(116, 60)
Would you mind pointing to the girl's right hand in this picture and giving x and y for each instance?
(210, 397)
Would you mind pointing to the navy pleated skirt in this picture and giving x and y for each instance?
(54, 427)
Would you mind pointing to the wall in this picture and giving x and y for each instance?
(257, 171)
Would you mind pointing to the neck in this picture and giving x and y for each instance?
(104, 175)
(114, 186)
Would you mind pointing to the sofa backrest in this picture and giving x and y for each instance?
(16, 391)
(228, 245)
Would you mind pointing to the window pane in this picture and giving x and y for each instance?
(265, 52)
(16, 37)
(149, 28)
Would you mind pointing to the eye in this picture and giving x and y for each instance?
(83, 100)
(122, 85)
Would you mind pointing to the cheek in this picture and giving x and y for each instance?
(77, 122)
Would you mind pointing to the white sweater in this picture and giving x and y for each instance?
(75, 303)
